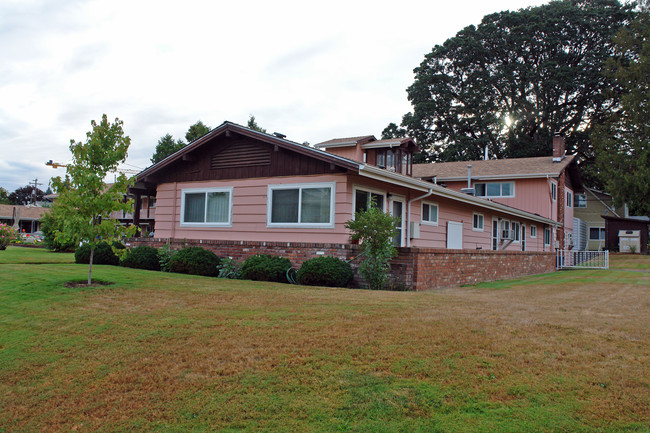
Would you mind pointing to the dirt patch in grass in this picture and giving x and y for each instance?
(84, 283)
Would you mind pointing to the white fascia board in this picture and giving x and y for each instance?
(375, 145)
(327, 146)
(496, 177)
(420, 185)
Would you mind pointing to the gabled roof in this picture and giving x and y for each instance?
(229, 127)
(346, 141)
(514, 168)
(356, 167)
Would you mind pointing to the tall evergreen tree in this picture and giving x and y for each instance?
(166, 146)
(198, 130)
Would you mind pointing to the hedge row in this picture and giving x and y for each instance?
(319, 271)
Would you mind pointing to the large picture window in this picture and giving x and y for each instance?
(495, 189)
(206, 207)
(302, 205)
(596, 233)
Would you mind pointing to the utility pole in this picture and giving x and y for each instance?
(35, 184)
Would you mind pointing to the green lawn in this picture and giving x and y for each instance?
(561, 352)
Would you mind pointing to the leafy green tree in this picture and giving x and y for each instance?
(374, 230)
(393, 131)
(85, 200)
(166, 146)
(195, 131)
(623, 142)
(516, 79)
(26, 195)
(252, 124)
(4, 196)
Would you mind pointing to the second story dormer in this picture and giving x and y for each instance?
(393, 154)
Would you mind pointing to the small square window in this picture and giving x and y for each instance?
(430, 213)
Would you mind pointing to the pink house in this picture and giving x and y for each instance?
(545, 186)
(238, 185)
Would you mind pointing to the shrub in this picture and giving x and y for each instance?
(325, 271)
(103, 254)
(263, 267)
(50, 224)
(229, 268)
(374, 230)
(7, 234)
(195, 261)
(142, 257)
(165, 255)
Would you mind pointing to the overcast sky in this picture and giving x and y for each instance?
(313, 71)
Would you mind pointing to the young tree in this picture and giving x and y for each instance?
(374, 230)
(198, 130)
(623, 142)
(166, 146)
(516, 79)
(85, 200)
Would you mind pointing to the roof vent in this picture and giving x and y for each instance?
(468, 191)
(277, 134)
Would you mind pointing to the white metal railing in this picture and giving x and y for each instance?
(569, 259)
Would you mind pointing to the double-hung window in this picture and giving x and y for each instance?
(596, 233)
(210, 207)
(547, 236)
(301, 205)
(429, 213)
(569, 199)
(478, 222)
(533, 231)
(580, 200)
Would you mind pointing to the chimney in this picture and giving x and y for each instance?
(558, 147)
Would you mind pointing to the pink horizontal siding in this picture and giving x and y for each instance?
(249, 212)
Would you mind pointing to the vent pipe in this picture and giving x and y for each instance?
(485, 158)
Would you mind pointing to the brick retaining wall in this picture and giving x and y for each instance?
(415, 268)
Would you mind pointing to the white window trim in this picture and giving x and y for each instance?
(429, 223)
(269, 205)
(531, 231)
(517, 232)
(370, 190)
(599, 229)
(482, 219)
(185, 191)
(569, 198)
(553, 188)
(497, 196)
(550, 236)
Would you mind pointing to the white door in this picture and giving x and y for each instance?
(397, 210)
(454, 235)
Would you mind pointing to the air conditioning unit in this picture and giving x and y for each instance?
(415, 230)
(507, 235)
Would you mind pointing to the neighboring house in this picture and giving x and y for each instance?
(589, 208)
(543, 186)
(25, 219)
(237, 184)
(146, 206)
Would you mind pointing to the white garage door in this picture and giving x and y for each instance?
(454, 235)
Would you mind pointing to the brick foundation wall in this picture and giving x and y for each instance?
(413, 268)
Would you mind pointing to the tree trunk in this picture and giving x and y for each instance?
(90, 266)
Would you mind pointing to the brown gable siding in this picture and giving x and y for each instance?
(240, 157)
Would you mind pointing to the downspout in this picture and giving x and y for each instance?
(408, 215)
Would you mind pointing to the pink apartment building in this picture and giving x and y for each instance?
(236, 184)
